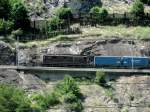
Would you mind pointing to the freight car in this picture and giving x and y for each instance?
(66, 60)
(96, 61)
(136, 62)
(122, 62)
(107, 61)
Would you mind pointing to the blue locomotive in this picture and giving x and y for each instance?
(96, 61)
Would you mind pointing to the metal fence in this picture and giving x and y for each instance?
(40, 28)
(111, 19)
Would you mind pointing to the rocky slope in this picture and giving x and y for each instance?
(105, 47)
(28, 82)
(126, 93)
(7, 54)
(40, 9)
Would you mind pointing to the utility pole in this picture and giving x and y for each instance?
(132, 55)
(17, 52)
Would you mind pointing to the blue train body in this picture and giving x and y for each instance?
(129, 61)
(125, 61)
(107, 61)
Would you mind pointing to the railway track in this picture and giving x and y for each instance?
(38, 68)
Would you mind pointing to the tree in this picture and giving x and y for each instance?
(55, 23)
(6, 26)
(64, 13)
(137, 8)
(98, 14)
(145, 2)
(13, 100)
(5, 8)
(20, 16)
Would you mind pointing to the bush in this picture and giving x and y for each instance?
(6, 26)
(13, 100)
(64, 13)
(66, 92)
(52, 99)
(98, 14)
(55, 23)
(44, 101)
(68, 85)
(99, 79)
(75, 106)
(145, 2)
(20, 16)
(69, 93)
(69, 98)
(15, 15)
(5, 9)
(137, 8)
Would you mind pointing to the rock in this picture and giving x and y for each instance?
(7, 55)
(48, 7)
(9, 77)
(28, 82)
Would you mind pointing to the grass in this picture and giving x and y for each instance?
(49, 40)
(99, 32)
(118, 31)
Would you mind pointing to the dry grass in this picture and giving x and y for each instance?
(97, 33)
(119, 31)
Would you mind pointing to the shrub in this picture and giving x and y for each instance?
(69, 93)
(75, 106)
(64, 13)
(99, 79)
(6, 26)
(66, 92)
(54, 23)
(5, 9)
(16, 13)
(145, 2)
(137, 8)
(68, 85)
(98, 14)
(13, 100)
(69, 98)
(43, 101)
(20, 16)
(52, 99)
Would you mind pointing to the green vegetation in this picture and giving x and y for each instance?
(6, 26)
(100, 77)
(13, 15)
(55, 23)
(98, 14)
(60, 21)
(146, 2)
(13, 99)
(5, 9)
(138, 8)
(64, 13)
(44, 101)
(125, 109)
(20, 17)
(120, 31)
(66, 92)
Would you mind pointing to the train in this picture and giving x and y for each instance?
(96, 61)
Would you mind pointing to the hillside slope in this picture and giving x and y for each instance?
(127, 93)
(40, 9)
